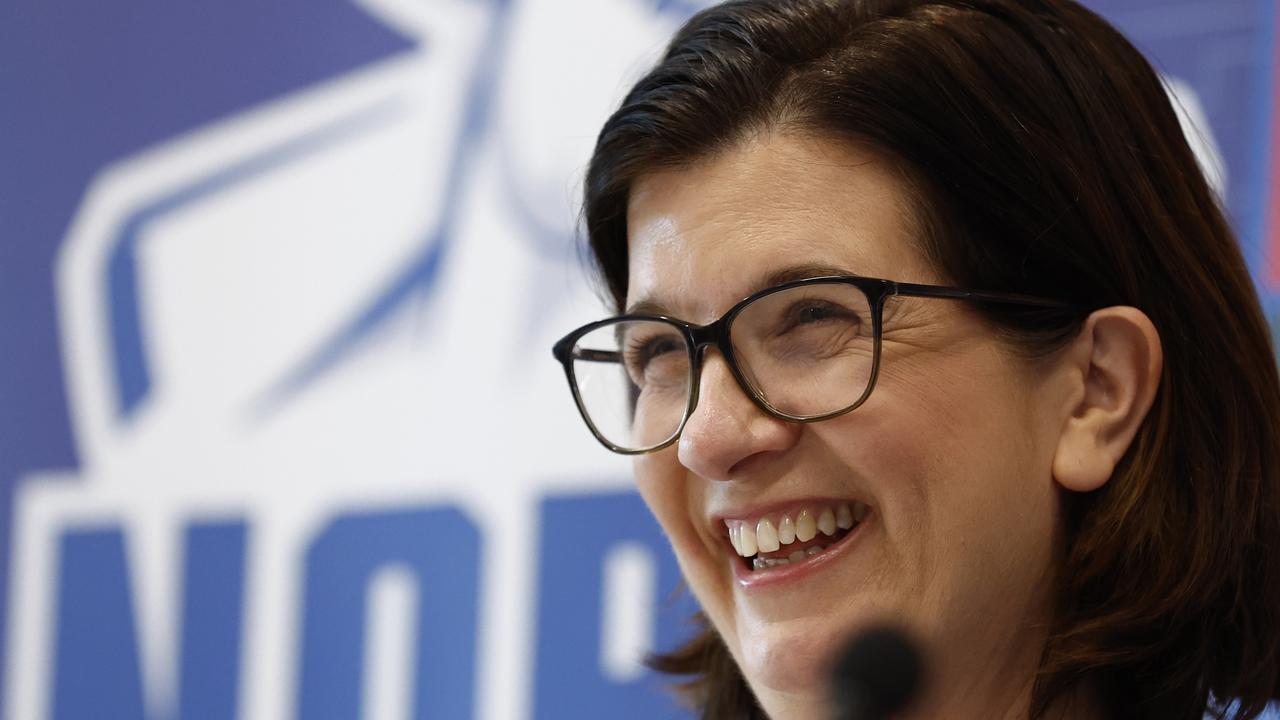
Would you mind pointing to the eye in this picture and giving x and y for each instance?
(816, 312)
(642, 351)
(656, 346)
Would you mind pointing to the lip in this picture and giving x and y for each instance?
(754, 580)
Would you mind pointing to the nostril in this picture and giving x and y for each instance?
(748, 465)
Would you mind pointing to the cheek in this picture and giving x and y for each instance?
(667, 491)
(663, 488)
(674, 499)
(966, 498)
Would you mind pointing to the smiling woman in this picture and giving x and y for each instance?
(928, 316)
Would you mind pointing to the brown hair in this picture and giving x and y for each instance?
(1047, 160)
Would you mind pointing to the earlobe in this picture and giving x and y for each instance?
(1115, 365)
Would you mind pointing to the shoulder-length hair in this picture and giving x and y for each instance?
(1045, 158)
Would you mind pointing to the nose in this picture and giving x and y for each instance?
(727, 432)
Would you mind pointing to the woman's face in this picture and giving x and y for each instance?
(949, 456)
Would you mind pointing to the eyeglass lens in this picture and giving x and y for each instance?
(807, 351)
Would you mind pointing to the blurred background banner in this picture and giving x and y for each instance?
(280, 431)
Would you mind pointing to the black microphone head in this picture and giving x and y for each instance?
(876, 675)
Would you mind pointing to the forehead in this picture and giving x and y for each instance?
(704, 236)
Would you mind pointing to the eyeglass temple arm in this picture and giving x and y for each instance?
(936, 291)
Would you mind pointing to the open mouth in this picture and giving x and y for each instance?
(785, 538)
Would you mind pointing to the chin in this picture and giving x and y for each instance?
(791, 657)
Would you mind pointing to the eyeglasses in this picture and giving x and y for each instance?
(803, 351)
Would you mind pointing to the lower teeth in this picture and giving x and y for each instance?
(759, 563)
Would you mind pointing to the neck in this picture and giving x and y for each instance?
(1003, 689)
(994, 696)
(1082, 703)
(996, 684)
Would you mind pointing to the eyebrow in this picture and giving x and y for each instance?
(790, 273)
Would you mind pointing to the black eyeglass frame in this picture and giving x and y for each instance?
(699, 337)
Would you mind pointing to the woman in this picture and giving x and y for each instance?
(1042, 436)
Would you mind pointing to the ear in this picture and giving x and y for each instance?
(1114, 368)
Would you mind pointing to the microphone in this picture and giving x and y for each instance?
(875, 676)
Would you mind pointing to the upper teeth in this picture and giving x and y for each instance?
(768, 534)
